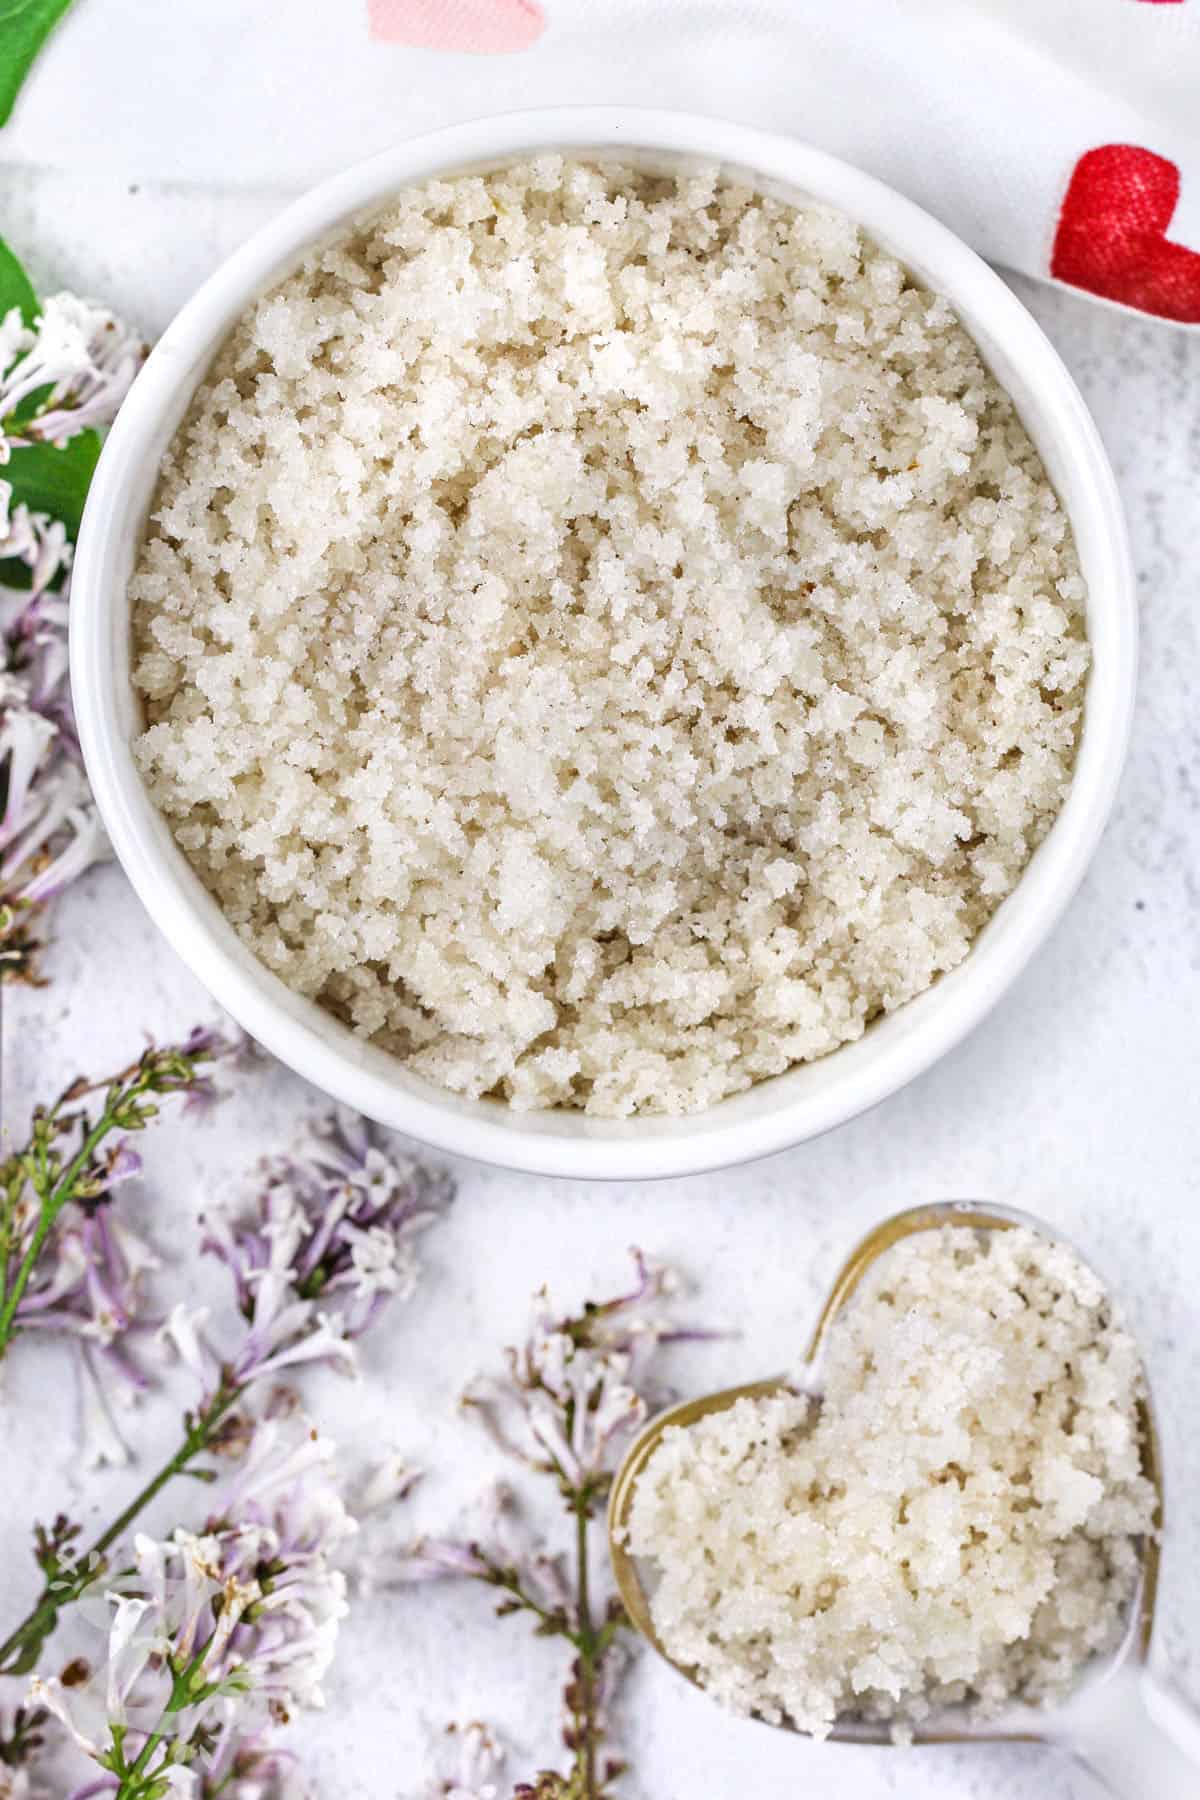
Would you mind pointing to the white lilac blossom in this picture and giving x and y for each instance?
(67, 372)
(578, 1388)
(317, 1250)
(77, 350)
(390, 1481)
(216, 1633)
(468, 1764)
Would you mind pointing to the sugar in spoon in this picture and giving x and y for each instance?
(1123, 1722)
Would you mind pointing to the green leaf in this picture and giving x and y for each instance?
(24, 27)
(55, 481)
(16, 289)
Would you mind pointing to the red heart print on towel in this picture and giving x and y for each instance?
(1112, 234)
(487, 27)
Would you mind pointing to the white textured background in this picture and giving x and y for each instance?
(1077, 1099)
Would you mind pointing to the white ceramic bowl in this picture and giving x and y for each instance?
(776, 1113)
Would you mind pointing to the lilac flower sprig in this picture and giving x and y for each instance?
(215, 1633)
(314, 1253)
(66, 1264)
(574, 1395)
(50, 831)
(240, 1767)
(63, 371)
(247, 1766)
(66, 372)
(327, 1238)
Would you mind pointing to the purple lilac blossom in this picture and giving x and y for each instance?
(317, 1250)
(89, 1285)
(50, 831)
(496, 1543)
(578, 1388)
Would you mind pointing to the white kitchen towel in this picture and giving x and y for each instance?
(1060, 137)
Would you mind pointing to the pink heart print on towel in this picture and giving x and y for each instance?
(1112, 234)
(486, 27)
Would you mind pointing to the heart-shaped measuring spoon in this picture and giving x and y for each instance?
(1133, 1732)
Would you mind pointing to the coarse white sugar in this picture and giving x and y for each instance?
(606, 636)
(958, 1521)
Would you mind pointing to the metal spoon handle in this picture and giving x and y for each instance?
(1139, 1738)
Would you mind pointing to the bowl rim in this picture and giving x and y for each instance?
(901, 1046)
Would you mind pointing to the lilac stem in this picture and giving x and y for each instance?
(585, 1715)
(52, 1205)
(18, 1652)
